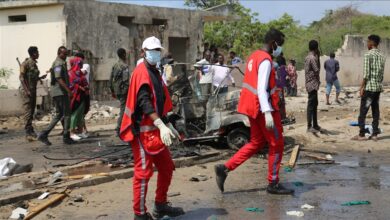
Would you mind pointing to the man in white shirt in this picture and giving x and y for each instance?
(221, 75)
(206, 79)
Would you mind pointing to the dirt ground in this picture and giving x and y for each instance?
(361, 172)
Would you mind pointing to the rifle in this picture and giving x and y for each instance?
(23, 80)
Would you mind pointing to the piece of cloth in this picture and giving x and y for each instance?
(87, 70)
(119, 78)
(311, 111)
(329, 85)
(143, 171)
(369, 99)
(281, 74)
(292, 75)
(221, 75)
(260, 135)
(331, 67)
(77, 117)
(374, 66)
(58, 71)
(312, 72)
(62, 104)
(262, 85)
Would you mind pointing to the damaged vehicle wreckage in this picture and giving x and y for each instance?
(208, 118)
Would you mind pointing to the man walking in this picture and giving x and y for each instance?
(119, 83)
(332, 67)
(312, 83)
(61, 95)
(259, 101)
(371, 87)
(147, 129)
(29, 77)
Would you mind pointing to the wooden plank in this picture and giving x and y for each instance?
(39, 208)
(294, 157)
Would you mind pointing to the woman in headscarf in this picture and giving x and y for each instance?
(292, 76)
(79, 87)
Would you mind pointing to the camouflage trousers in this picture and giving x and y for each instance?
(122, 99)
(29, 104)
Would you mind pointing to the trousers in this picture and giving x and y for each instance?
(122, 99)
(260, 135)
(369, 99)
(143, 171)
(29, 104)
(312, 105)
(62, 104)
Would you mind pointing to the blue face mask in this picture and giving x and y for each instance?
(153, 56)
(277, 52)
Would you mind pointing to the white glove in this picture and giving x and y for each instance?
(166, 133)
(174, 131)
(269, 120)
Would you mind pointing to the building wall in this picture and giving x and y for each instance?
(94, 27)
(44, 28)
(350, 57)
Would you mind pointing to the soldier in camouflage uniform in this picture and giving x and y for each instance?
(61, 95)
(119, 83)
(29, 77)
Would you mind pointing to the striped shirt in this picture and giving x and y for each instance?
(374, 66)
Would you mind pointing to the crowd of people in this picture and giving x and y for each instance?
(145, 103)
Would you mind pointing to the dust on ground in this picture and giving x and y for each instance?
(361, 172)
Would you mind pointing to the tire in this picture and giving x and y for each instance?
(238, 137)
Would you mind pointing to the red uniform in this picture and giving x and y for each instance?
(147, 146)
(249, 105)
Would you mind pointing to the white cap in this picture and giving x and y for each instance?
(86, 68)
(152, 43)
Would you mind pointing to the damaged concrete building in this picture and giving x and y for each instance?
(98, 29)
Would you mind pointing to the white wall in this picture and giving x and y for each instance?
(45, 28)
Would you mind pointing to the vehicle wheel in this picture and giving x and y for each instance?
(238, 137)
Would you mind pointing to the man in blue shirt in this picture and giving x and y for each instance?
(235, 60)
(332, 67)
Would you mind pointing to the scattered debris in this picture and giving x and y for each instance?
(316, 157)
(173, 194)
(9, 167)
(287, 169)
(4, 131)
(55, 177)
(329, 157)
(199, 177)
(78, 198)
(356, 202)
(295, 213)
(18, 213)
(317, 162)
(294, 157)
(102, 215)
(307, 207)
(44, 196)
(298, 183)
(39, 208)
(254, 209)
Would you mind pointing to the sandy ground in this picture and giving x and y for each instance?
(361, 172)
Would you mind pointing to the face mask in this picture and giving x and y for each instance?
(277, 52)
(153, 56)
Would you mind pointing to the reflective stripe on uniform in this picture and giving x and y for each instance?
(250, 88)
(274, 166)
(143, 182)
(145, 128)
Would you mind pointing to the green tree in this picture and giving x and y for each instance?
(203, 4)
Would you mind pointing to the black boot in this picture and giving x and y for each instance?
(67, 140)
(43, 138)
(276, 188)
(165, 209)
(221, 173)
(146, 216)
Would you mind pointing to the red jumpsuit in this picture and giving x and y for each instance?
(148, 149)
(250, 105)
